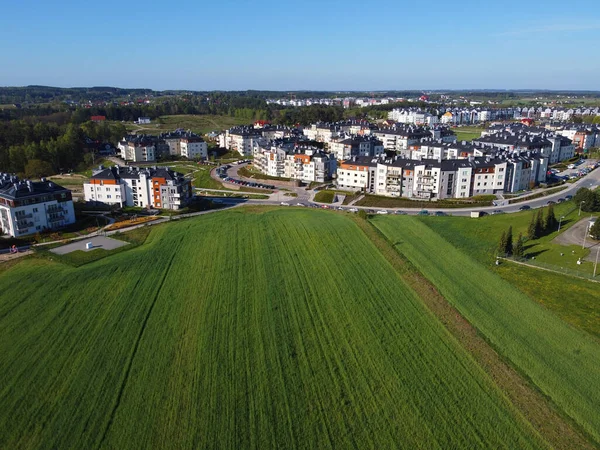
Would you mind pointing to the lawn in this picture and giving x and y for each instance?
(200, 124)
(325, 196)
(467, 133)
(562, 361)
(240, 329)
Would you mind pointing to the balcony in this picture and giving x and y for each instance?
(22, 226)
(23, 216)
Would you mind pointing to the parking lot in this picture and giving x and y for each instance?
(102, 242)
(576, 170)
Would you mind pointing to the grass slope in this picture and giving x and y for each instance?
(562, 361)
(238, 330)
(573, 299)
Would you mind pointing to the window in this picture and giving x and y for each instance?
(35, 210)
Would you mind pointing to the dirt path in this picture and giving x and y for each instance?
(541, 413)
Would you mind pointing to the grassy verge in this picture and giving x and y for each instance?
(538, 195)
(377, 201)
(253, 173)
(325, 196)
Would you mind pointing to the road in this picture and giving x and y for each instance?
(305, 197)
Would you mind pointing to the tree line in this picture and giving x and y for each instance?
(34, 149)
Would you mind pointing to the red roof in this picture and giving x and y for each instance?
(98, 118)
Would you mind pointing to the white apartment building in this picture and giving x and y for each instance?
(137, 149)
(241, 139)
(194, 148)
(295, 162)
(28, 207)
(143, 187)
(429, 179)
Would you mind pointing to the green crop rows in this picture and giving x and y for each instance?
(562, 361)
(279, 329)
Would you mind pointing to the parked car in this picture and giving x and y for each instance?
(285, 204)
(560, 200)
(497, 211)
(353, 210)
(381, 211)
(524, 208)
(400, 213)
(550, 202)
(440, 213)
(568, 197)
(423, 212)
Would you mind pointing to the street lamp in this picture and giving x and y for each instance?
(560, 221)
(582, 202)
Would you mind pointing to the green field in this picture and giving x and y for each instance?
(200, 124)
(325, 196)
(467, 133)
(561, 360)
(245, 329)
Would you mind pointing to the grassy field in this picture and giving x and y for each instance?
(219, 332)
(561, 360)
(201, 124)
(467, 133)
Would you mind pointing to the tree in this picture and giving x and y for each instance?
(508, 249)
(36, 168)
(502, 244)
(595, 230)
(362, 214)
(518, 247)
(551, 222)
(588, 200)
(539, 223)
(532, 229)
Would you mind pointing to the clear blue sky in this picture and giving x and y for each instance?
(323, 45)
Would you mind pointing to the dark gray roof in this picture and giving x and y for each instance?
(12, 188)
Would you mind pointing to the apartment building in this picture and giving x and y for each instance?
(345, 147)
(150, 187)
(296, 162)
(433, 179)
(400, 137)
(241, 139)
(186, 144)
(137, 148)
(413, 116)
(28, 207)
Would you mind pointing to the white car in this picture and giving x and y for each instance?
(381, 211)
(354, 210)
(285, 204)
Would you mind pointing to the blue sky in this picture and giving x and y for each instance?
(322, 45)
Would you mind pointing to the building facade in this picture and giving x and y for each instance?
(142, 187)
(28, 207)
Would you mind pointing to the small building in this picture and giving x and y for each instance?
(98, 118)
(143, 120)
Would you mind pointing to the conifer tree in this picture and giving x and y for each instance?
(508, 249)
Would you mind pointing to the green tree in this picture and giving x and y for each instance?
(588, 200)
(518, 247)
(532, 229)
(508, 249)
(362, 214)
(595, 230)
(551, 223)
(539, 223)
(36, 168)
(502, 244)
